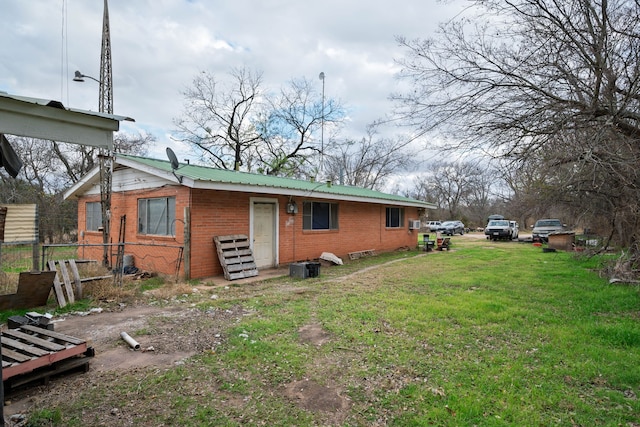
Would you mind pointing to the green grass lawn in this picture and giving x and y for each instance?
(487, 334)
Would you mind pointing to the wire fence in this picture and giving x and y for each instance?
(124, 258)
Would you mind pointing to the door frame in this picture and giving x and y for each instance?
(276, 222)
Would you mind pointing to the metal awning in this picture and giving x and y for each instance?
(50, 119)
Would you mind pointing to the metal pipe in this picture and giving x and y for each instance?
(132, 343)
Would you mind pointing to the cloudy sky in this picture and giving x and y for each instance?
(158, 46)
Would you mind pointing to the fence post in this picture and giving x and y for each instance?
(36, 255)
(187, 243)
(36, 242)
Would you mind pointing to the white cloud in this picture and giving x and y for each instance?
(158, 46)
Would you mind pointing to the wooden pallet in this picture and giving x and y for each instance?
(360, 254)
(63, 295)
(30, 352)
(67, 290)
(236, 257)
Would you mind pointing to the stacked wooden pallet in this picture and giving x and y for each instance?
(360, 254)
(236, 256)
(30, 352)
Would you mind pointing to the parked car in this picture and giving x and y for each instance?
(451, 227)
(543, 227)
(515, 229)
(498, 229)
(433, 225)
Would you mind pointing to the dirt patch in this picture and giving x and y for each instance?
(170, 333)
(167, 336)
(314, 397)
(314, 334)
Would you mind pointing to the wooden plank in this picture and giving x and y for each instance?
(33, 340)
(77, 281)
(240, 260)
(241, 252)
(243, 274)
(57, 288)
(67, 281)
(52, 334)
(241, 267)
(90, 279)
(232, 237)
(234, 245)
(17, 357)
(9, 343)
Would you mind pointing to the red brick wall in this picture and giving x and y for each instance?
(162, 254)
(361, 227)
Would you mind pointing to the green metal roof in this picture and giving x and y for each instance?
(287, 186)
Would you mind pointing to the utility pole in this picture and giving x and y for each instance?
(321, 77)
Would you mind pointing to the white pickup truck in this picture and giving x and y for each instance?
(498, 229)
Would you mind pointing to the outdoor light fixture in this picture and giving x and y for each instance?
(292, 206)
(79, 77)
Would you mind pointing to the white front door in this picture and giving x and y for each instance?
(264, 234)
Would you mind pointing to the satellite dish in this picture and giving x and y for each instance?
(172, 158)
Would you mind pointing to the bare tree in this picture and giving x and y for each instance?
(135, 144)
(451, 185)
(218, 118)
(290, 125)
(48, 168)
(369, 162)
(530, 77)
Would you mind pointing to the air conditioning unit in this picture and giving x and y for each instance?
(414, 224)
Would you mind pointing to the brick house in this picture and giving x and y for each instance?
(168, 217)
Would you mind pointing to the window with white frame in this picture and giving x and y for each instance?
(319, 216)
(94, 216)
(395, 218)
(157, 216)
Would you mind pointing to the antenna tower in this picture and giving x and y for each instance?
(106, 87)
(105, 105)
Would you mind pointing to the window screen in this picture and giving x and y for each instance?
(94, 216)
(157, 216)
(395, 218)
(320, 216)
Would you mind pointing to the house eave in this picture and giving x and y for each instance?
(289, 192)
(175, 178)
